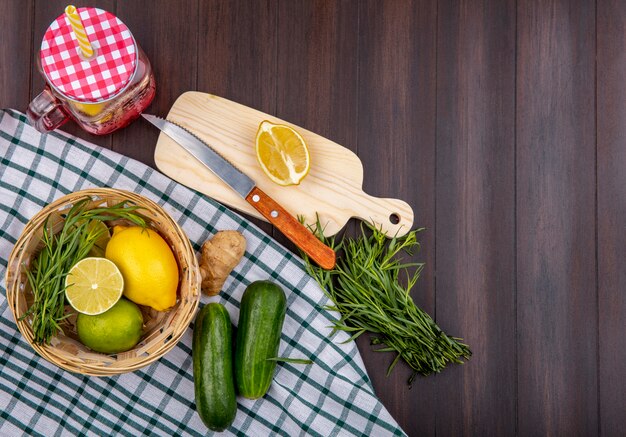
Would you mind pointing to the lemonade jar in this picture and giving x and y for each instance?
(95, 73)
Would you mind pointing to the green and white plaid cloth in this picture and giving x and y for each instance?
(333, 396)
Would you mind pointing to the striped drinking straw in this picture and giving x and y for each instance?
(79, 31)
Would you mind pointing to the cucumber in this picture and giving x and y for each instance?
(261, 317)
(216, 401)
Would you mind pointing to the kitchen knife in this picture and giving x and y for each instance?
(323, 255)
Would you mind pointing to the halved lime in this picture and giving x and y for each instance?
(93, 285)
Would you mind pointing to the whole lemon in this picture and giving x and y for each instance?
(147, 264)
(116, 330)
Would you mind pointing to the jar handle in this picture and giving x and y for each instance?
(46, 112)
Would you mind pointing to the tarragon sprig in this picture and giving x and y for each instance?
(367, 290)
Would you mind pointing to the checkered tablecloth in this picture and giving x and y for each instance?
(333, 396)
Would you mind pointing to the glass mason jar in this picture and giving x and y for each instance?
(92, 91)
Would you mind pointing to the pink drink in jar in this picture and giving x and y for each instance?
(103, 93)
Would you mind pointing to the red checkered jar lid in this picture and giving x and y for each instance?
(99, 78)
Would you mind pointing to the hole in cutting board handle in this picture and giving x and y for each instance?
(394, 218)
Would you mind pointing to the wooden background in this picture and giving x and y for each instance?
(502, 122)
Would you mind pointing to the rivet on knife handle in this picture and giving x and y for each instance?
(323, 255)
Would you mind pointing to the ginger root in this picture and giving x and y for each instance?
(219, 257)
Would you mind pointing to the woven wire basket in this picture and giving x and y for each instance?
(162, 330)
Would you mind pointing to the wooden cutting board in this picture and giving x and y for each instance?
(332, 189)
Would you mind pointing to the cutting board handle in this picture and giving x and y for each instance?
(394, 216)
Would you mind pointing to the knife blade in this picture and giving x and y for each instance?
(323, 255)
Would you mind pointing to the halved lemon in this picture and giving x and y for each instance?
(282, 153)
(93, 285)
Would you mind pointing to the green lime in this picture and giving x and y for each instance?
(116, 330)
(100, 245)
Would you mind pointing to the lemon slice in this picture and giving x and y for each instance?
(93, 285)
(90, 109)
(282, 153)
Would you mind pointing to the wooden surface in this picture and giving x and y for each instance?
(331, 192)
(501, 122)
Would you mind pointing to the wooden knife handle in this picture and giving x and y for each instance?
(323, 255)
